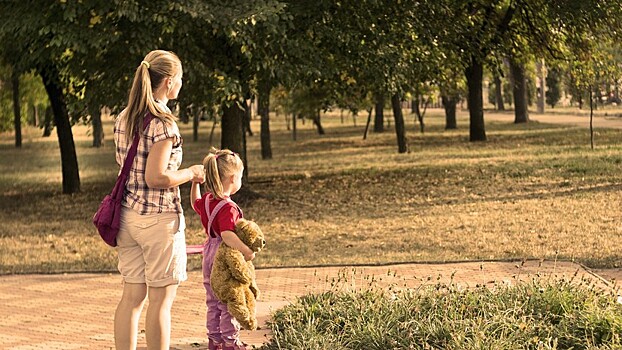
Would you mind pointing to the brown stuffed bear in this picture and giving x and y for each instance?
(233, 278)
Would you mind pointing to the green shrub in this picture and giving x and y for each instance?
(556, 315)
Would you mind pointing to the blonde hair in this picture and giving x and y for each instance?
(219, 164)
(150, 75)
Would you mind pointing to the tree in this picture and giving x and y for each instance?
(553, 84)
(235, 42)
(16, 109)
(34, 43)
(379, 113)
(519, 84)
(263, 106)
(458, 22)
(499, 92)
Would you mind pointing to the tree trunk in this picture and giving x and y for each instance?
(449, 103)
(519, 84)
(499, 93)
(69, 160)
(294, 117)
(98, 129)
(196, 118)
(48, 122)
(35, 111)
(591, 119)
(400, 130)
(247, 118)
(541, 89)
(414, 106)
(474, 74)
(379, 117)
(367, 124)
(232, 135)
(211, 134)
(263, 109)
(318, 123)
(17, 115)
(420, 114)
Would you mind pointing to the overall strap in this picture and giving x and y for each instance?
(198, 248)
(212, 215)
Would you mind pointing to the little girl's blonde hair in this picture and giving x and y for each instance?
(219, 164)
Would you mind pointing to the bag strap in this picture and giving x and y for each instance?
(131, 154)
(119, 187)
(212, 215)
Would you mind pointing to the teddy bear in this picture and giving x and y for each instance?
(233, 278)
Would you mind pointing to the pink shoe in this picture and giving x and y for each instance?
(211, 345)
(238, 345)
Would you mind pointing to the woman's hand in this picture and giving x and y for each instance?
(198, 175)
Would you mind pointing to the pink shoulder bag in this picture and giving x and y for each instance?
(107, 219)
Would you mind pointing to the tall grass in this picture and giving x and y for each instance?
(534, 315)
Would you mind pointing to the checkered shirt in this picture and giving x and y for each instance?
(138, 195)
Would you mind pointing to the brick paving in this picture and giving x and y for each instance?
(75, 311)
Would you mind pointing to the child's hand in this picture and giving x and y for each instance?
(249, 257)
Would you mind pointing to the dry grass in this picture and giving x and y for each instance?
(531, 191)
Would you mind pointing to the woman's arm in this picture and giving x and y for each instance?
(233, 241)
(158, 176)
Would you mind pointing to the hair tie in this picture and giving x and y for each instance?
(146, 64)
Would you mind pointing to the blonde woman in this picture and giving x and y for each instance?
(151, 241)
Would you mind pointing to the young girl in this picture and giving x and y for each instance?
(223, 170)
(151, 240)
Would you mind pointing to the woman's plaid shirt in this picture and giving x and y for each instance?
(138, 195)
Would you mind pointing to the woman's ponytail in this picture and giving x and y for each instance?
(150, 74)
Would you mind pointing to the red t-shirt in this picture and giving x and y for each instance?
(225, 219)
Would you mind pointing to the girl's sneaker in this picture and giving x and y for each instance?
(238, 345)
(211, 345)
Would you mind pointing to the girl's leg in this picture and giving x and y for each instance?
(230, 329)
(127, 315)
(213, 316)
(158, 322)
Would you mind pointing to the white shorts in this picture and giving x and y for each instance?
(152, 248)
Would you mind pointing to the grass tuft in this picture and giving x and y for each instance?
(557, 314)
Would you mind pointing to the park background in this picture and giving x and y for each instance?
(372, 132)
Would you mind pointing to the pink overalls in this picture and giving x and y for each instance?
(221, 326)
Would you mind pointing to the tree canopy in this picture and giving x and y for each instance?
(348, 54)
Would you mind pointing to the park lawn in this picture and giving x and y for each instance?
(530, 191)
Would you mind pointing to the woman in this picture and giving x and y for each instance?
(151, 242)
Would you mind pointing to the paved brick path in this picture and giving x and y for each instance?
(75, 311)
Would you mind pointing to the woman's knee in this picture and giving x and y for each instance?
(134, 293)
(162, 295)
